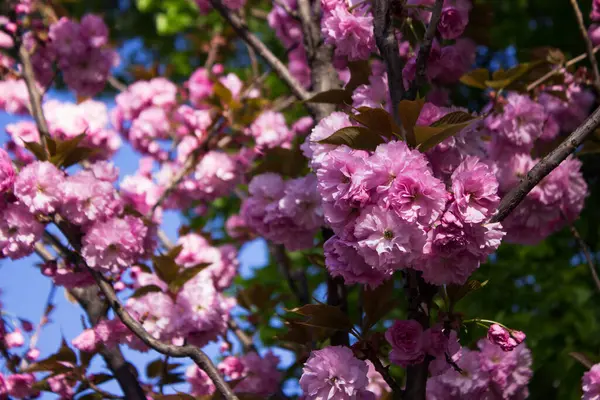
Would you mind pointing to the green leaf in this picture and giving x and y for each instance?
(355, 137)
(323, 316)
(37, 150)
(333, 96)
(458, 292)
(377, 303)
(286, 162)
(141, 292)
(91, 396)
(429, 136)
(223, 93)
(378, 120)
(165, 266)
(155, 368)
(502, 79)
(186, 275)
(409, 111)
(476, 78)
(359, 74)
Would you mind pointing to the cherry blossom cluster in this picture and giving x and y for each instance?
(258, 375)
(334, 372)
(593, 30)
(520, 127)
(287, 212)
(79, 49)
(197, 313)
(487, 372)
(389, 211)
(67, 121)
(591, 383)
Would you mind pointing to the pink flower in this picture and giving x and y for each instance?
(270, 130)
(86, 341)
(14, 98)
(386, 241)
(19, 231)
(33, 354)
(94, 29)
(14, 339)
(342, 259)
(200, 382)
(377, 385)
(114, 244)
(87, 199)
(232, 367)
(501, 337)
(407, 340)
(38, 186)
(325, 128)
(336, 175)
(509, 372)
(435, 341)
(475, 190)
(215, 175)
(7, 172)
(591, 384)
(350, 32)
(472, 383)
(334, 373)
(199, 86)
(454, 19)
(62, 385)
(20, 385)
(302, 203)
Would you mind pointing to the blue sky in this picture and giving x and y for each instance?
(24, 290)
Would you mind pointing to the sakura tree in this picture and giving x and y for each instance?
(406, 191)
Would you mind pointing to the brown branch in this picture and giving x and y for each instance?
(293, 280)
(319, 55)
(35, 98)
(245, 340)
(197, 355)
(588, 45)
(546, 165)
(588, 256)
(242, 30)
(216, 42)
(423, 56)
(387, 43)
(555, 71)
(105, 394)
(117, 84)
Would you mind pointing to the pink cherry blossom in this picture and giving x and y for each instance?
(38, 186)
(19, 231)
(408, 342)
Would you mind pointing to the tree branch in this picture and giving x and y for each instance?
(285, 267)
(423, 56)
(588, 45)
(588, 256)
(197, 355)
(385, 37)
(242, 30)
(35, 98)
(546, 165)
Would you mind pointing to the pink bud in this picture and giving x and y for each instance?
(501, 337)
(218, 69)
(14, 339)
(518, 336)
(119, 286)
(33, 354)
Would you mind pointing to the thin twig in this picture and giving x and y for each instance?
(285, 267)
(546, 165)
(215, 43)
(197, 355)
(245, 340)
(287, 9)
(588, 44)
(105, 394)
(588, 256)
(557, 70)
(115, 83)
(44, 319)
(387, 43)
(242, 30)
(423, 56)
(35, 98)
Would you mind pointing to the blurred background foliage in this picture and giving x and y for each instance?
(545, 290)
